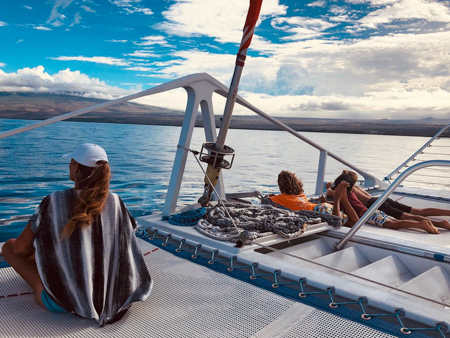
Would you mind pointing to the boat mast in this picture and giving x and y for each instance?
(218, 150)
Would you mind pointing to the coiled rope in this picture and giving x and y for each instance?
(187, 218)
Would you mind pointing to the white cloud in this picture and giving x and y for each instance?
(372, 2)
(188, 62)
(407, 10)
(301, 28)
(387, 104)
(76, 19)
(131, 6)
(175, 99)
(65, 81)
(319, 3)
(146, 11)
(42, 28)
(2, 23)
(153, 40)
(142, 54)
(56, 18)
(28, 7)
(140, 69)
(88, 9)
(2, 64)
(117, 41)
(96, 59)
(222, 20)
(374, 77)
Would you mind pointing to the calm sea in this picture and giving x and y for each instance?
(141, 158)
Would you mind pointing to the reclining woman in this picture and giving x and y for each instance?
(399, 210)
(79, 252)
(379, 217)
(292, 197)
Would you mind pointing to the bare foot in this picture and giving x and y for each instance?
(442, 224)
(428, 227)
(341, 190)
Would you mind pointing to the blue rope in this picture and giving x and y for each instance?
(187, 218)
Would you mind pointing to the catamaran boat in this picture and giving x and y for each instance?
(225, 281)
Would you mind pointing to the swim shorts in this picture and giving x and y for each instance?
(50, 304)
(379, 218)
(327, 208)
(391, 207)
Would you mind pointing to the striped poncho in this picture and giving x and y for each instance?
(99, 270)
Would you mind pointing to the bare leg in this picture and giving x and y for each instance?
(340, 196)
(440, 224)
(361, 191)
(430, 212)
(25, 266)
(411, 224)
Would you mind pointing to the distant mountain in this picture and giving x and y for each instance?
(41, 106)
(32, 106)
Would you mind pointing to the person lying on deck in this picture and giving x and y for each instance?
(396, 209)
(292, 197)
(79, 252)
(379, 217)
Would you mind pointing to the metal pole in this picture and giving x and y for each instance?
(249, 28)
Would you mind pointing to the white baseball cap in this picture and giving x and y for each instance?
(88, 154)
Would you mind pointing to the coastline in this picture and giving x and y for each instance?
(374, 127)
(29, 106)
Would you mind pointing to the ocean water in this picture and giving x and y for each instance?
(141, 158)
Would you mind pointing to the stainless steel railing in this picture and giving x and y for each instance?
(417, 153)
(340, 245)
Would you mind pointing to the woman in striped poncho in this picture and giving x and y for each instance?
(79, 252)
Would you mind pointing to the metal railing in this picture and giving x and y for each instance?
(417, 153)
(340, 245)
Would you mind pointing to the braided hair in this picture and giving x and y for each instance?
(92, 198)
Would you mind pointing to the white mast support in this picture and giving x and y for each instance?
(209, 125)
(321, 172)
(199, 93)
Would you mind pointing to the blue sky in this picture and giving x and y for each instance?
(325, 58)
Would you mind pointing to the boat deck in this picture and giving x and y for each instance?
(187, 300)
(406, 269)
(195, 296)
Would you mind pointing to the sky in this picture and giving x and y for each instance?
(322, 58)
